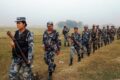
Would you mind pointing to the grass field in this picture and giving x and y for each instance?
(104, 64)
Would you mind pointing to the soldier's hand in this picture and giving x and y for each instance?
(43, 46)
(29, 62)
(12, 44)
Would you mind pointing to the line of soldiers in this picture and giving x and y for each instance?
(22, 46)
(90, 40)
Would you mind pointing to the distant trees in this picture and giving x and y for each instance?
(69, 23)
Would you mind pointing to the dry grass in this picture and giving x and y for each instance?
(102, 65)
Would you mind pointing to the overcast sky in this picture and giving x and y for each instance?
(38, 12)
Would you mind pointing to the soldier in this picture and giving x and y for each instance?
(51, 44)
(66, 35)
(22, 52)
(118, 33)
(75, 45)
(104, 36)
(108, 35)
(112, 33)
(94, 38)
(99, 43)
(86, 40)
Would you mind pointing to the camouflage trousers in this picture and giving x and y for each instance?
(49, 60)
(66, 41)
(20, 71)
(99, 42)
(94, 45)
(87, 48)
(108, 40)
(118, 36)
(111, 38)
(74, 50)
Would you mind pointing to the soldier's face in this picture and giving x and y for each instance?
(20, 25)
(94, 30)
(97, 27)
(50, 27)
(75, 30)
(85, 28)
(93, 26)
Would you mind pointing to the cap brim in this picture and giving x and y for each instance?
(18, 21)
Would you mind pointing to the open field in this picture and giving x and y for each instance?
(104, 64)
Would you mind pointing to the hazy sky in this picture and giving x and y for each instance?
(38, 12)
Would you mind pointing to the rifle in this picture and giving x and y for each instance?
(72, 38)
(14, 40)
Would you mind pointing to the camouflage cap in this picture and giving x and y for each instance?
(85, 26)
(49, 23)
(75, 27)
(19, 19)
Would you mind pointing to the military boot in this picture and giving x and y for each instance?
(71, 61)
(50, 76)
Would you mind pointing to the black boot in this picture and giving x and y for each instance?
(88, 53)
(54, 67)
(79, 59)
(50, 76)
(68, 44)
(71, 61)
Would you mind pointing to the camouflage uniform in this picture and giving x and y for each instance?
(104, 36)
(99, 42)
(94, 40)
(66, 35)
(118, 33)
(19, 70)
(52, 45)
(112, 33)
(108, 35)
(86, 41)
(75, 46)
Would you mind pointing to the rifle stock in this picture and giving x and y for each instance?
(13, 39)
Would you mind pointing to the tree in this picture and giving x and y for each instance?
(69, 23)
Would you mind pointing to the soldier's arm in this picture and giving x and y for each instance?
(82, 34)
(71, 37)
(44, 39)
(58, 39)
(80, 40)
(58, 42)
(30, 46)
(90, 37)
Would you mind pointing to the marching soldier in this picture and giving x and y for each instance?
(51, 44)
(112, 33)
(22, 52)
(118, 33)
(86, 40)
(104, 36)
(75, 45)
(66, 35)
(108, 35)
(94, 38)
(99, 43)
